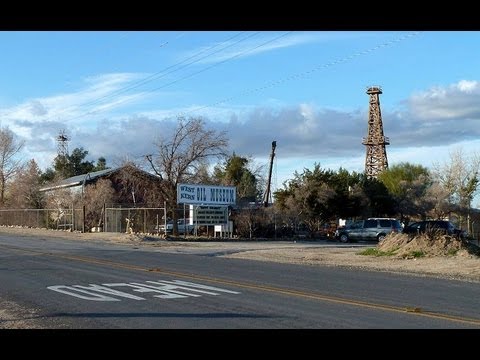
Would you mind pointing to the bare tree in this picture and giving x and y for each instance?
(435, 203)
(23, 191)
(10, 164)
(137, 187)
(248, 221)
(459, 176)
(204, 176)
(60, 201)
(180, 158)
(292, 212)
(94, 198)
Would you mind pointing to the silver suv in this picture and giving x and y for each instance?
(370, 229)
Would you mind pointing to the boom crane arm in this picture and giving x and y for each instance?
(267, 191)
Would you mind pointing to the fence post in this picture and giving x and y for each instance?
(165, 217)
(128, 214)
(144, 221)
(105, 218)
(83, 220)
(73, 217)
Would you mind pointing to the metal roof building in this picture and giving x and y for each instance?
(79, 180)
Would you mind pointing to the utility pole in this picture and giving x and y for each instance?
(376, 157)
(266, 197)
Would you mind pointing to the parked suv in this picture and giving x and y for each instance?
(437, 226)
(370, 229)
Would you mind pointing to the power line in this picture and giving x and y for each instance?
(162, 73)
(308, 72)
(190, 75)
(159, 74)
(220, 62)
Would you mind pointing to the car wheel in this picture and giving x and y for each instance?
(380, 237)
(344, 238)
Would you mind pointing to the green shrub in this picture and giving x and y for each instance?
(376, 252)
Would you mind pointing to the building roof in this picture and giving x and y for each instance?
(81, 180)
(78, 180)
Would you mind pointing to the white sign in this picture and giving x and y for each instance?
(208, 215)
(206, 194)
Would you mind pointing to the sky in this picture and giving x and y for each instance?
(115, 93)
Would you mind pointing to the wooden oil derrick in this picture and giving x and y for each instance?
(376, 157)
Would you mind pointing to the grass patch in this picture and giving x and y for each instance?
(376, 252)
(452, 252)
(416, 254)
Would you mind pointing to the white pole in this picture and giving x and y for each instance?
(165, 217)
(184, 223)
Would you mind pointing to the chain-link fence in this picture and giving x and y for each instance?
(142, 220)
(475, 234)
(65, 219)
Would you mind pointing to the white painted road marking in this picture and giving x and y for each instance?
(166, 290)
(73, 292)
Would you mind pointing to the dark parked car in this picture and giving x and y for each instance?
(370, 229)
(434, 226)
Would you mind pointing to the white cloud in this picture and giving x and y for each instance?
(439, 103)
(111, 80)
(37, 109)
(97, 94)
(301, 131)
(467, 86)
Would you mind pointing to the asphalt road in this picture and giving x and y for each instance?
(82, 285)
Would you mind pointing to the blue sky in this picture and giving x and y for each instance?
(115, 92)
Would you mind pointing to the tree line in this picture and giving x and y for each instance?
(191, 153)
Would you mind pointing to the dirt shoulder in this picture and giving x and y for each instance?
(451, 264)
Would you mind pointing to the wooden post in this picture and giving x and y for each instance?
(83, 220)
